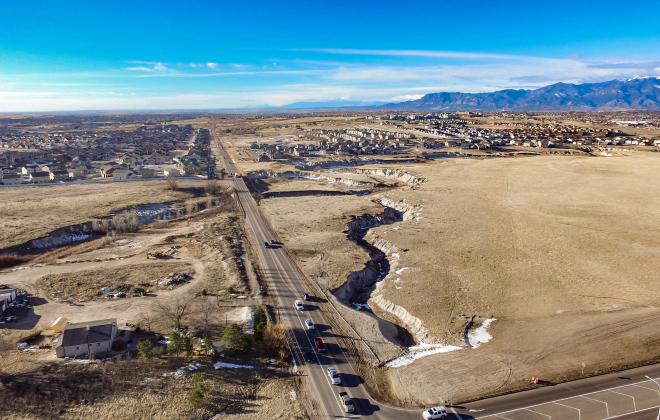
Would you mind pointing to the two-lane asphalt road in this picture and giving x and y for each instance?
(285, 285)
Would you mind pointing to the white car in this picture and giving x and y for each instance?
(309, 324)
(347, 402)
(298, 305)
(335, 378)
(434, 413)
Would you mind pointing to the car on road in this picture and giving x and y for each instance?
(435, 413)
(272, 244)
(309, 324)
(298, 305)
(335, 378)
(347, 402)
(319, 344)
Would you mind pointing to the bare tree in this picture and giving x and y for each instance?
(174, 312)
(204, 317)
(172, 185)
(146, 322)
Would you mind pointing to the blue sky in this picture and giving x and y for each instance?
(83, 55)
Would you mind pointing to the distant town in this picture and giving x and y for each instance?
(32, 156)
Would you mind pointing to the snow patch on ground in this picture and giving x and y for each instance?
(223, 365)
(480, 335)
(419, 351)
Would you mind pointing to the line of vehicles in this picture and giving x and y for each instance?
(319, 346)
(434, 413)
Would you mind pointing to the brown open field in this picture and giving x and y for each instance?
(28, 213)
(563, 251)
(530, 237)
(313, 229)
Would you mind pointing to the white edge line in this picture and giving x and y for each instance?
(574, 396)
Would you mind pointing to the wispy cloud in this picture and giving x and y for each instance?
(407, 74)
(157, 67)
(466, 55)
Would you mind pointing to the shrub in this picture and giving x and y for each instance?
(235, 339)
(172, 185)
(213, 188)
(197, 394)
(145, 349)
(276, 341)
(179, 344)
(259, 319)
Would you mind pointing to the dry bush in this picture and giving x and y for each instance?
(11, 260)
(214, 188)
(125, 222)
(172, 184)
(276, 341)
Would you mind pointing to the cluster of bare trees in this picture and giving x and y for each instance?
(120, 223)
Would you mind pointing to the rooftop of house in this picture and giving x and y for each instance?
(88, 332)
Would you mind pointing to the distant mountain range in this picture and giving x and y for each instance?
(339, 103)
(639, 93)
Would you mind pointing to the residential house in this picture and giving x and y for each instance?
(40, 177)
(59, 175)
(121, 174)
(11, 179)
(86, 339)
(29, 168)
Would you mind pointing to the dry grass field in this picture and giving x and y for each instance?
(529, 237)
(313, 230)
(563, 251)
(28, 213)
(140, 389)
